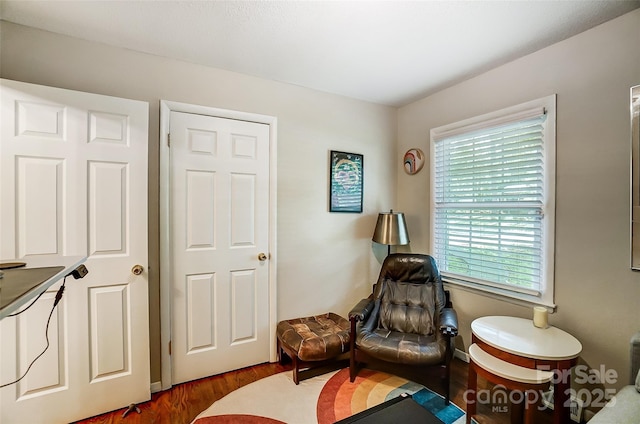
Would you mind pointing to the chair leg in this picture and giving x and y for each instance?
(353, 371)
(352, 351)
(447, 370)
(447, 382)
(470, 394)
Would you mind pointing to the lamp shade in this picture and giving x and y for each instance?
(391, 229)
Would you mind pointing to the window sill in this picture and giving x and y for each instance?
(499, 294)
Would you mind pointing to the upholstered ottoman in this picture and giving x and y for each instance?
(313, 341)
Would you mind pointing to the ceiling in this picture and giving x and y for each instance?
(386, 52)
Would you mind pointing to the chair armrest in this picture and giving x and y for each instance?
(361, 311)
(449, 322)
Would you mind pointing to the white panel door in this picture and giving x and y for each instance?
(74, 182)
(219, 226)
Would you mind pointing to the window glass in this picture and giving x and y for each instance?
(493, 185)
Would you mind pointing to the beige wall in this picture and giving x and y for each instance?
(325, 260)
(596, 292)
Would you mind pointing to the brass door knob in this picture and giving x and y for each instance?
(137, 269)
(262, 257)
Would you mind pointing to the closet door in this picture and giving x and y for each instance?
(74, 182)
(219, 218)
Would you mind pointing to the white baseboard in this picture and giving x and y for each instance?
(156, 387)
(460, 354)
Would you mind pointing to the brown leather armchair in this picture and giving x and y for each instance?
(407, 320)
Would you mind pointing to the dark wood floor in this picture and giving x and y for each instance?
(185, 401)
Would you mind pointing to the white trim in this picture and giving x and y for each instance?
(504, 116)
(507, 296)
(156, 387)
(545, 105)
(166, 107)
(464, 280)
(461, 354)
(165, 254)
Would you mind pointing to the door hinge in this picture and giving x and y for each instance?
(169, 140)
(169, 347)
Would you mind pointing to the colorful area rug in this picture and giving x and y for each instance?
(324, 399)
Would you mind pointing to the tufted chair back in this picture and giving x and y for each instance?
(407, 321)
(410, 293)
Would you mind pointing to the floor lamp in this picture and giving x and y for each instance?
(391, 229)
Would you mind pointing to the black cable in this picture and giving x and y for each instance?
(34, 300)
(46, 331)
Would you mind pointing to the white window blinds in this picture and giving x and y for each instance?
(489, 192)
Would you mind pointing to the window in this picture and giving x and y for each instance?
(493, 192)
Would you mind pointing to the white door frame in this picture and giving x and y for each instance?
(166, 107)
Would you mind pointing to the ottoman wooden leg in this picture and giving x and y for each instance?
(280, 351)
(295, 369)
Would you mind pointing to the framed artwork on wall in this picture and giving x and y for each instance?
(345, 182)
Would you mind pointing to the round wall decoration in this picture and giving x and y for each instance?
(413, 161)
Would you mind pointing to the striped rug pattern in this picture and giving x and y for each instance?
(323, 400)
